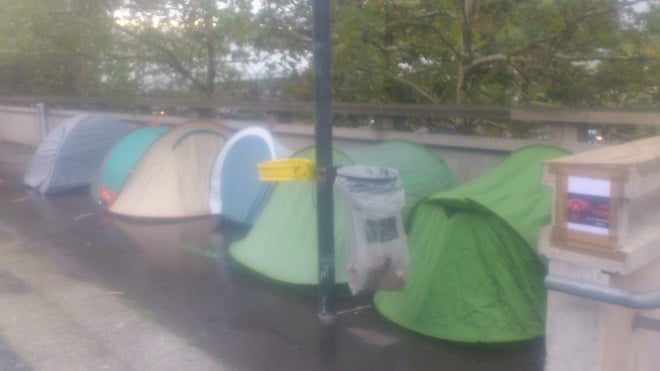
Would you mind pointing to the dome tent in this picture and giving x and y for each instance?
(475, 275)
(236, 191)
(71, 155)
(282, 243)
(170, 180)
(120, 161)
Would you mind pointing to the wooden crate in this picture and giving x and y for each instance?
(607, 201)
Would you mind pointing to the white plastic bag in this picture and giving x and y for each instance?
(376, 249)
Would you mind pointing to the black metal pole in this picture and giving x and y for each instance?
(324, 166)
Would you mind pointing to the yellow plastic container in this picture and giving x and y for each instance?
(286, 169)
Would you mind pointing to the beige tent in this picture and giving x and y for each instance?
(171, 179)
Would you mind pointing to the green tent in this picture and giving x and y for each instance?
(282, 244)
(475, 275)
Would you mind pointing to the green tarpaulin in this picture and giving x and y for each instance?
(282, 244)
(475, 275)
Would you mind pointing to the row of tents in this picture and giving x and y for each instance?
(197, 168)
(475, 275)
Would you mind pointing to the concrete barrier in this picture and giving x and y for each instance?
(467, 156)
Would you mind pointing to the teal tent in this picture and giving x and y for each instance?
(475, 275)
(120, 161)
(282, 244)
(170, 178)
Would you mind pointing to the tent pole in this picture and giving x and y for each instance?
(324, 166)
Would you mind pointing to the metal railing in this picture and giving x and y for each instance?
(578, 116)
(630, 299)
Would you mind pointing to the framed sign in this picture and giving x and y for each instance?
(588, 205)
(586, 211)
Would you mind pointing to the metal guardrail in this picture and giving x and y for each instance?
(525, 114)
(645, 300)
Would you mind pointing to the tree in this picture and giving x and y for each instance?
(630, 76)
(478, 52)
(53, 47)
(188, 43)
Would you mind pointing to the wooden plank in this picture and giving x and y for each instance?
(644, 153)
(584, 243)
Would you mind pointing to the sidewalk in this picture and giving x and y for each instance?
(9, 360)
(50, 321)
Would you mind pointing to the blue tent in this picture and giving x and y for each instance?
(236, 191)
(71, 155)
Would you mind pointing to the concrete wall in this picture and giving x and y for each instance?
(467, 156)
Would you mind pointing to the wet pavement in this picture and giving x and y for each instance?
(180, 276)
(9, 360)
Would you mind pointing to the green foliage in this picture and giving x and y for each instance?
(481, 52)
(485, 52)
(189, 45)
(53, 47)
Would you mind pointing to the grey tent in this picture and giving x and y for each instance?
(71, 155)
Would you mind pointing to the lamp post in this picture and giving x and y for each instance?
(324, 166)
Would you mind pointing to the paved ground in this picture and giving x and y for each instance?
(9, 360)
(53, 321)
(80, 290)
(56, 322)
